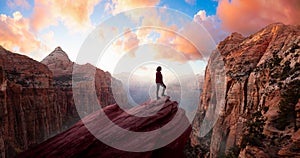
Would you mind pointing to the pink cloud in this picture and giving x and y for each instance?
(169, 35)
(183, 46)
(43, 15)
(166, 53)
(128, 42)
(15, 33)
(212, 24)
(249, 16)
(74, 14)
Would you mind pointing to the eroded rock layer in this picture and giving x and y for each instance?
(37, 103)
(261, 116)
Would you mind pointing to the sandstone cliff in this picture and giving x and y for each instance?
(37, 103)
(261, 114)
(79, 142)
(62, 68)
(28, 110)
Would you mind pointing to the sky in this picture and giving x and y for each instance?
(36, 27)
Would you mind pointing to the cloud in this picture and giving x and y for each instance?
(127, 43)
(183, 49)
(185, 46)
(169, 35)
(117, 6)
(169, 54)
(191, 40)
(248, 17)
(18, 3)
(16, 36)
(191, 2)
(49, 39)
(212, 24)
(73, 14)
(15, 33)
(22, 35)
(43, 15)
(130, 41)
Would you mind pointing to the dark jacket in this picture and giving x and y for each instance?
(159, 78)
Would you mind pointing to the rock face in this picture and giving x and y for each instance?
(59, 63)
(28, 110)
(261, 113)
(79, 142)
(36, 104)
(62, 68)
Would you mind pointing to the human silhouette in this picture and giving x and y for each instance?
(159, 82)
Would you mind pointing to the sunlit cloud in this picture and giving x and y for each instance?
(15, 34)
(73, 14)
(212, 24)
(26, 35)
(184, 49)
(49, 39)
(130, 42)
(249, 16)
(169, 54)
(170, 35)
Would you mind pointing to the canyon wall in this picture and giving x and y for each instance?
(37, 103)
(261, 114)
(28, 109)
(62, 69)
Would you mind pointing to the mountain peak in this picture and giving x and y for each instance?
(58, 62)
(58, 48)
(59, 54)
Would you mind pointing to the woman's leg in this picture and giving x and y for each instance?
(164, 88)
(163, 93)
(157, 89)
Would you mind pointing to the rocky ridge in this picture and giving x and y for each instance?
(79, 142)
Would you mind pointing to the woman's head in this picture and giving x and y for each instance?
(158, 68)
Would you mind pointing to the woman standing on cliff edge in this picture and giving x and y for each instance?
(159, 82)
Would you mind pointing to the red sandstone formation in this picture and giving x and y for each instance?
(36, 104)
(262, 78)
(28, 103)
(79, 142)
